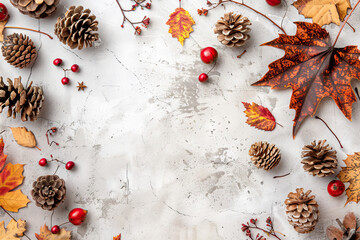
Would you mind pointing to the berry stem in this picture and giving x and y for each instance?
(220, 2)
(346, 20)
(63, 224)
(330, 128)
(14, 220)
(212, 67)
(125, 18)
(287, 174)
(351, 26)
(29, 29)
(279, 124)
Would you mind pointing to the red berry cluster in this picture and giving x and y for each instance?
(133, 7)
(76, 216)
(69, 165)
(203, 12)
(208, 55)
(74, 68)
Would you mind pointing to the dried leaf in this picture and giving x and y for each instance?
(13, 231)
(118, 237)
(2, 28)
(24, 137)
(259, 117)
(45, 234)
(10, 178)
(314, 70)
(323, 12)
(348, 225)
(180, 23)
(351, 174)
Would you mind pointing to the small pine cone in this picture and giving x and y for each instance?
(19, 50)
(233, 30)
(48, 192)
(265, 155)
(302, 211)
(36, 8)
(319, 159)
(18, 99)
(77, 28)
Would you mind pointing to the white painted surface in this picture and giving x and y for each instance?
(159, 155)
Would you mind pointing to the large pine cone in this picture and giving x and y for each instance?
(48, 192)
(319, 159)
(77, 28)
(302, 211)
(265, 155)
(36, 8)
(19, 50)
(18, 99)
(233, 30)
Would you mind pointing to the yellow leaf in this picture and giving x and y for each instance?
(351, 174)
(180, 23)
(13, 201)
(45, 234)
(323, 11)
(24, 137)
(13, 231)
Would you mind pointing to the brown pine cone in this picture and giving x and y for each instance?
(18, 99)
(319, 159)
(77, 28)
(48, 192)
(302, 211)
(233, 30)
(36, 8)
(19, 50)
(265, 155)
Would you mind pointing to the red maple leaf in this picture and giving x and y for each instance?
(314, 69)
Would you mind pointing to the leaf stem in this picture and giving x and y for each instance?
(330, 128)
(247, 6)
(282, 175)
(29, 29)
(14, 220)
(346, 20)
(239, 56)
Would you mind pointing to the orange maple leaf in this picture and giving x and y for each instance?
(351, 174)
(10, 178)
(259, 117)
(314, 69)
(180, 23)
(118, 237)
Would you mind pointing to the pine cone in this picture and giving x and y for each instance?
(302, 211)
(77, 28)
(48, 192)
(36, 8)
(233, 30)
(265, 155)
(19, 50)
(319, 159)
(14, 96)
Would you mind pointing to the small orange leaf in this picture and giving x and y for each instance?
(259, 117)
(11, 177)
(23, 137)
(351, 174)
(180, 23)
(13, 201)
(2, 155)
(118, 237)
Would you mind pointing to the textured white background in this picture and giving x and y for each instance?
(159, 155)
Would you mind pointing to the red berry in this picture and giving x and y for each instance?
(203, 77)
(3, 12)
(55, 229)
(69, 165)
(273, 2)
(65, 80)
(57, 62)
(77, 216)
(43, 162)
(208, 55)
(336, 188)
(75, 68)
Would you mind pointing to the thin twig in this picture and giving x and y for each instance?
(2, 132)
(351, 26)
(346, 20)
(212, 67)
(247, 6)
(239, 56)
(56, 170)
(330, 128)
(282, 20)
(29, 29)
(14, 220)
(52, 217)
(282, 175)
(279, 124)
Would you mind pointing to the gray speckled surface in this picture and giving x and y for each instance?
(159, 155)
